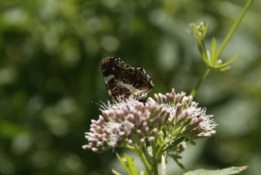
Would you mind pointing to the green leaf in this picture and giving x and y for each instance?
(200, 47)
(148, 154)
(205, 58)
(116, 172)
(194, 28)
(176, 159)
(226, 63)
(131, 165)
(123, 162)
(175, 143)
(128, 164)
(224, 68)
(203, 30)
(226, 171)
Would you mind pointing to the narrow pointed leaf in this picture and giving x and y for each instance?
(224, 68)
(205, 58)
(226, 63)
(174, 144)
(131, 165)
(124, 164)
(208, 57)
(200, 47)
(194, 28)
(116, 172)
(203, 30)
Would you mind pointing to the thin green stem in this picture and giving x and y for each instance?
(155, 166)
(202, 78)
(220, 50)
(163, 165)
(154, 157)
(233, 28)
(143, 159)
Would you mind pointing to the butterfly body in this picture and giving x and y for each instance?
(123, 80)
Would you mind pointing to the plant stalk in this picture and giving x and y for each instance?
(163, 165)
(233, 28)
(143, 159)
(202, 78)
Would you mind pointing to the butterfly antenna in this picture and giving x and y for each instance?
(93, 102)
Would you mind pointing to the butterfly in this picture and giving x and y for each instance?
(123, 80)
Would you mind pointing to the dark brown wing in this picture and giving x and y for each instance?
(122, 80)
(111, 69)
(138, 82)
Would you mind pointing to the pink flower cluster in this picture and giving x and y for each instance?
(131, 122)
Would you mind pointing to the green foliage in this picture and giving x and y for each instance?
(128, 165)
(50, 55)
(226, 171)
(210, 59)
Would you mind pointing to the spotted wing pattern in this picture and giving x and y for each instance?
(123, 80)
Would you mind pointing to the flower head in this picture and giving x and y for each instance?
(165, 118)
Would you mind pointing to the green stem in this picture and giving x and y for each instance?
(155, 166)
(163, 165)
(143, 159)
(202, 78)
(154, 157)
(233, 28)
(220, 50)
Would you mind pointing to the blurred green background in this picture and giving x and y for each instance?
(50, 56)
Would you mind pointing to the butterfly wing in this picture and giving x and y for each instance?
(123, 81)
(137, 82)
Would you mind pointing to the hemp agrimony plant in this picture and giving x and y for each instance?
(162, 126)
